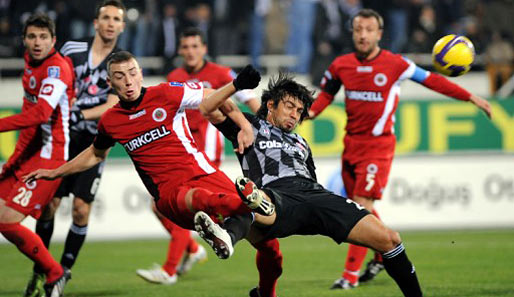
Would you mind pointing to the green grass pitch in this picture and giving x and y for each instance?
(449, 263)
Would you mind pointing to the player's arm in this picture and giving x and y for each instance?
(248, 78)
(245, 136)
(94, 154)
(446, 87)
(52, 89)
(330, 85)
(93, 113)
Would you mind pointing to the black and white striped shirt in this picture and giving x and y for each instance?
(274, 155)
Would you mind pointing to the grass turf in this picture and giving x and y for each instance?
(448, 263)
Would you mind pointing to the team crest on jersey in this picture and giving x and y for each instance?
(92, 89)
(372, 168)
(207, 84)
(47, 89)
(380, 79)
(31, 185)
(159, 114)
(32, 82)
(54, 71)
(265, 131)
(176, 84)
(28, 70)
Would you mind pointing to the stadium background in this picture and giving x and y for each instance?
(454, 169)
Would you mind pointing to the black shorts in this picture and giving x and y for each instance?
(304, 207)
(83, 184)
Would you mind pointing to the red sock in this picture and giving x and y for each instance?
(31, 245)
(166, 223)
(192, 245)
(354, 259)
(176, 247)
(222, 204)
(378, 256)
(269, 264)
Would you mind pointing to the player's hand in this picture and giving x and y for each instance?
(248, 78)
(482, 104)
(244, 139)
(311, 115)
(40, 174)
(76, 116)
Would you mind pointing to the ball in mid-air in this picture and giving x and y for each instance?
(453, 55)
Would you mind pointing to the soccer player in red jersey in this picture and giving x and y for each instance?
(371, 77)
(193, 49)
(42, 143)
(150, 123)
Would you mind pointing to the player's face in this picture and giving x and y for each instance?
(287, 114)
(193, 51)
(109, 23)
(366, 35)
(39, 42)
(126, 79)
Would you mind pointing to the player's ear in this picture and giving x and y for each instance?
(95, 24)
(109, 81)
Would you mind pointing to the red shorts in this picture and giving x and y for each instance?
(176, 210)
(29, 198)
(366, 178)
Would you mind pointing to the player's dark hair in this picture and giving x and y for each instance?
(115, 3)
(281, 86)
(370, 13)
(40, 20)
(193, 31)
(118, 57)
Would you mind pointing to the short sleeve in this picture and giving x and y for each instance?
(102, 140)
(330, 83)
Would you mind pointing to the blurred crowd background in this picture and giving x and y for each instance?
(310, 30)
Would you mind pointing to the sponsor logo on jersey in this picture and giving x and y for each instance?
(364, 95)
(159, 114)
(54, 71)
(364, 69)
(47, 89)
(146, 138)
(270, 144)
(137, 115)
(176, 84)
(32, 82)
(380, 79)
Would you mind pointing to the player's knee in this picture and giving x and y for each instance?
(80, 212)
(50, 209)
(387, 240)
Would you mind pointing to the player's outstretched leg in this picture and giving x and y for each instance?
(217, 237)
(252, 197)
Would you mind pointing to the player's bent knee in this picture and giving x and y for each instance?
(80, 212)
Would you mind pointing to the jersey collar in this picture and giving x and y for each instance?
(133, 104)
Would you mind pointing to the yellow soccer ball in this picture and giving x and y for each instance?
(453, 55)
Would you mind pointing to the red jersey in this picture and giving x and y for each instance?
(154, 132)
(372, 89)
(43, 121)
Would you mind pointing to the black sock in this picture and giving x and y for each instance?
(72, 245)
(45, 229)
(238, 226)
(402, 271)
